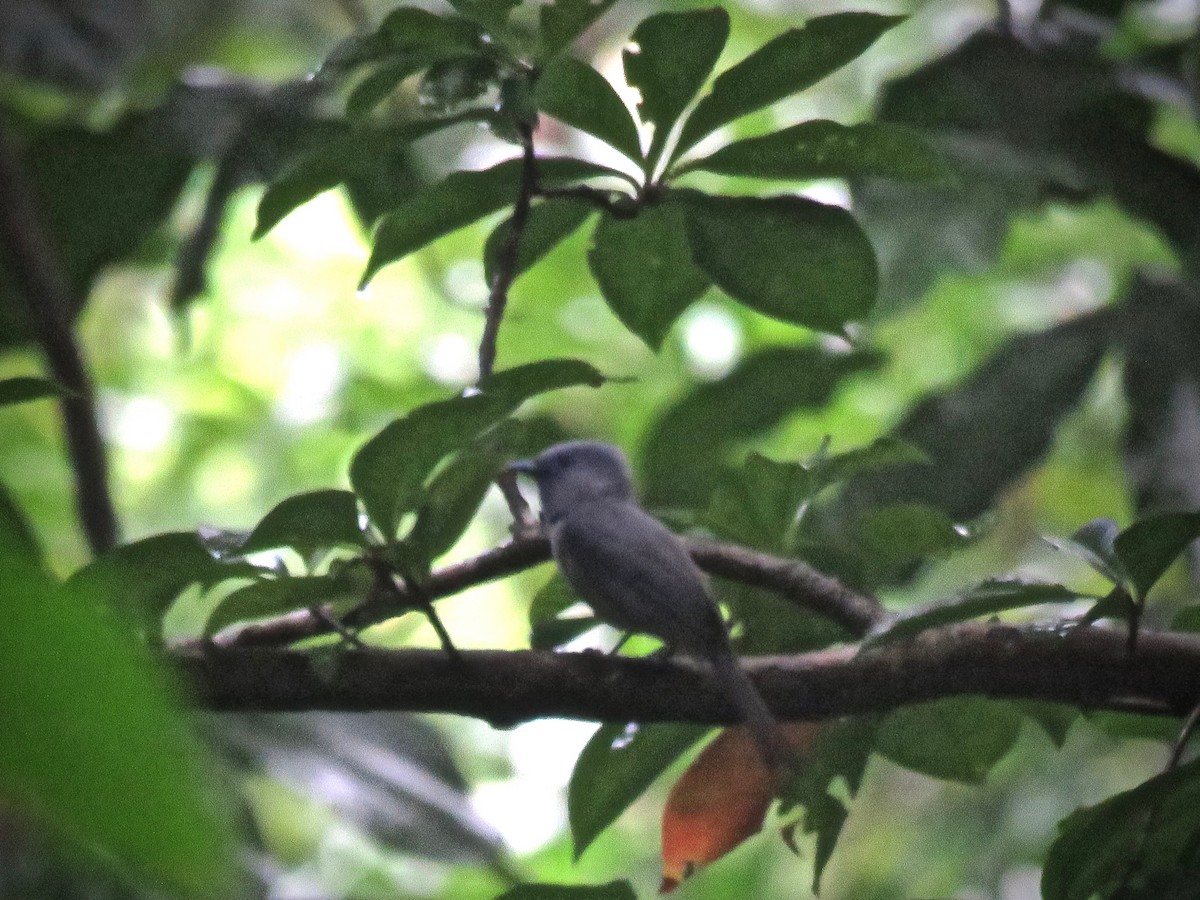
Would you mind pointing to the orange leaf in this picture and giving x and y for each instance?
(721, 800)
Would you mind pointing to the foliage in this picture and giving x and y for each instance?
(999, 168)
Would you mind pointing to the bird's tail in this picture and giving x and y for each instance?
(776, 751)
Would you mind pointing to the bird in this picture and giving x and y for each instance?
(636, 574)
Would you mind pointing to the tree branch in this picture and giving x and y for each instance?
(506, 266)
(1087, 667)
(35, 263)
(790, 578)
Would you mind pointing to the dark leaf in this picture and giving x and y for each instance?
(1094, 543)
(23, 389)
(791, 62)
(614, 890)
(550, 222)
(491, 14)
(993, 596)
(550, 634)
(787, 257)
(1055, 719)
(564, 20)
(450, 83)
(986, 432)
(840, 753)
(308, 522)
(1161, 379)
(389, 470)
(93, 739)
(353, 155)
(276, 596)
(645, 271)
(685, 448)
(670, 56)
(1147, 548)
(577, 94)
(1187, 619)
(1138, 844)
(460, 199)
(616, 767)
(554, 598)
(1116, 604)
(957, 739)
(823, 149)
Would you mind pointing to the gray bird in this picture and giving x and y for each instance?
(635, 573)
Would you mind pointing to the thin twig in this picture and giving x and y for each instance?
(506, 267)
(619, 205)
(37, 266)
(1185, 735)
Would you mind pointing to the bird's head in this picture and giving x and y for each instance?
(575, 473)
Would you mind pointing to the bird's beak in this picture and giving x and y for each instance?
(524, 466)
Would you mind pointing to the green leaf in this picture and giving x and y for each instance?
(550, 222)
(410, 29)
(389, 470)
(758, 504)
(93, 742)
(453, 496)
(840, 753)
(616, 767)
(614, 890)
(645, 271)
(374, 88)
(787, 257)
(1095, 544)
(562, 21)
(993, 596)
(546, 630)
(23, 389)
(1188, 619)
(339, 161)
(671, 56)
(957, 739)
(275, 596)
(308, 522)
(577, 94)
(1147, 548)
(1142, 840)
(823, 149)
(460, 199)
(882, 453)
(685, 447)
(785, 65)
(908, 532)
(145, 576)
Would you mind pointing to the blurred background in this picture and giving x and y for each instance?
(232, 373)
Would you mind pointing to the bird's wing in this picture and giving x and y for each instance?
(637, 575)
